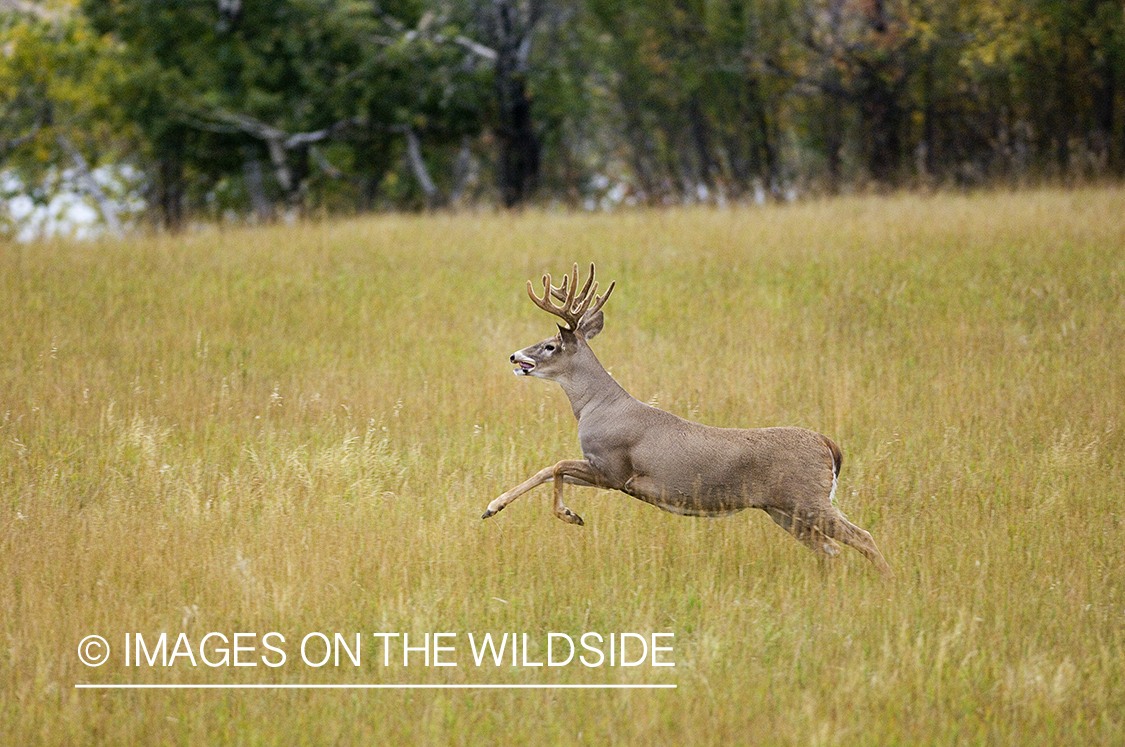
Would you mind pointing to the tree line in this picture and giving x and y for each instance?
(296, 106)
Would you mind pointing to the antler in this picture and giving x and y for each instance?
(575, 305)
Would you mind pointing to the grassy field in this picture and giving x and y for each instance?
(296, 429)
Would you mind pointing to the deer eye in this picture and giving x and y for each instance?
(550, 348)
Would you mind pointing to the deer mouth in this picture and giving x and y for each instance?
(525, 365)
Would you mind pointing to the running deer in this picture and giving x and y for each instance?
(675, 464)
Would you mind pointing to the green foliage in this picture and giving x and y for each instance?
(58, 78)
(208, 85)
(312, 104)
(62, 116)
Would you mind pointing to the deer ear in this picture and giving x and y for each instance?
(567, 336)
(591, 324)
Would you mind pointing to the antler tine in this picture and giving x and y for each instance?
(545, 303)
(575, 305)
(560, 292)
(581, 302)
(599, 302)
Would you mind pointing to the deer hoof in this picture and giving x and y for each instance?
(570, 517)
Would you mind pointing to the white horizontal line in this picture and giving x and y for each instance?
(284, 686)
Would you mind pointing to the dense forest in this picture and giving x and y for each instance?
(209, 109)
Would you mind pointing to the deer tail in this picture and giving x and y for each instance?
(837, 455)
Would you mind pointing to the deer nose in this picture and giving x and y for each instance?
(512, 358)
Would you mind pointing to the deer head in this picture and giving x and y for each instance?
(580, 311)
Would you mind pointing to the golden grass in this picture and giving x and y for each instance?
(296, 429)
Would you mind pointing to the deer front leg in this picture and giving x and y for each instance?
(540, 477)
(578, 472)
(573, 471)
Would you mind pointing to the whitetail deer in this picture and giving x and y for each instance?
(676, 464)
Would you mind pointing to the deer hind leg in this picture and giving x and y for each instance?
(835, 525)
(861, 540)
(807, 533)
(817, 530)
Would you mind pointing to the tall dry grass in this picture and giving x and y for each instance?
(296, 429)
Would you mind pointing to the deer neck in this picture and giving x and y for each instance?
(589, 387)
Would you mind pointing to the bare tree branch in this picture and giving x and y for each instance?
(418, 166)
(331, 131)
(325, 165)
(423, 32)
